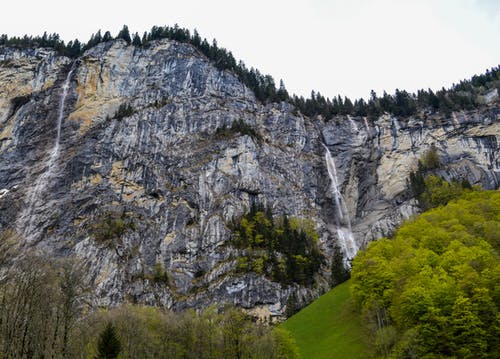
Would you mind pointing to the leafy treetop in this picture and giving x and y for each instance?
(432, 291)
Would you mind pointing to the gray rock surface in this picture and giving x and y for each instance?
(167, 169)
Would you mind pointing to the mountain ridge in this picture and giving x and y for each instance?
(466, 95)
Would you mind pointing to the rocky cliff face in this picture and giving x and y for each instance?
(166, 169)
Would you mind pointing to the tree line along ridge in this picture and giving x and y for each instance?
(466, 95)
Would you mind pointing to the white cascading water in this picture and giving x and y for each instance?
(26, 221)
(343, 222)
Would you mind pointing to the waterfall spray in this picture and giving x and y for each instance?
(343, 222)
(25, 223)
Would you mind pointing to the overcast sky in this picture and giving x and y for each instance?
(345, 47)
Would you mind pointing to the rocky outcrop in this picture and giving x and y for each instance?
(177, 181)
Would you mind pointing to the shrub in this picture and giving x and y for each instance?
(160, 275)
(241, 127)
(124, 110)
(111, 227)
(439, 192)
(431, 190)
(430, 160)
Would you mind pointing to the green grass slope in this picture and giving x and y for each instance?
(329, 327)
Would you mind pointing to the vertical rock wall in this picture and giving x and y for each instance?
(166, 169)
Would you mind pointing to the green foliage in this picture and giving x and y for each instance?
(45, 312)
(432, 291)
(285, 250)
(106, 37)
(108, 346)
(136, 40)
(285, 344)
(431, 190)
(466, 95)
(439, 192)
(430, 160)
(111, 227)
(124, 110)
(329, 327)
(95, 39)
(160, 275)
(148, 332)
(72, 49)
(417, 181)
(240, 127)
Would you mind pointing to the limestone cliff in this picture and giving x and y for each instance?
(165, 168)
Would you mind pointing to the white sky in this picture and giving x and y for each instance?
(337, 46)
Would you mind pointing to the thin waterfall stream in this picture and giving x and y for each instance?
(26, 221)
(343, 222)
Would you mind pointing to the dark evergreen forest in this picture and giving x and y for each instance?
(466, 95)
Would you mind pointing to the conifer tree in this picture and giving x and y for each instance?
(109, 345)
(339, 271)
(107, 37)
(348, 106)
(98, 37)
(137, 40)
(124, 34)
(75, 49)
(282, 94)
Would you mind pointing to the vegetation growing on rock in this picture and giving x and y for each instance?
(110, 228)
(285, 250)
(431, 190)
(238, 127)
(124, 110)
(165, 166)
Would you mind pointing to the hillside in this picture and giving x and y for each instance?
(431, 291)
(329, 327)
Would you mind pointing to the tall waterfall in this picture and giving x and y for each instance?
(343, 222)
(26, 222)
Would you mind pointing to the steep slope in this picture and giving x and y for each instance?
(166, 183)
(329, 327)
